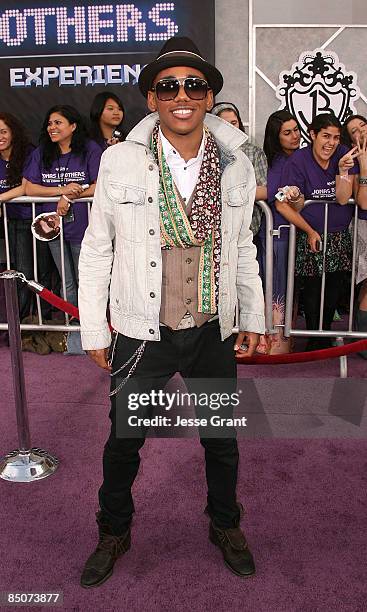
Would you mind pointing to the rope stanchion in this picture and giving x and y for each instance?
(25, 464)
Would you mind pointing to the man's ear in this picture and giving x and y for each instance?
(313, 135)
(209, 100)
(151, 102)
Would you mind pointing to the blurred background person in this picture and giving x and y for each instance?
(230, 113)
(15, 151)
(282, 138)
(319, 171)
(64, 163)
(355, 133)
(106, 119)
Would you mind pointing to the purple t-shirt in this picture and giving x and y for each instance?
(273, 184)
(302, 170)
(15, 211)
(68, 168)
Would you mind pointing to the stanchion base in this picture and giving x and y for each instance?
(27, 466)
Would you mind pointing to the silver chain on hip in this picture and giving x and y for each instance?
(137, 356)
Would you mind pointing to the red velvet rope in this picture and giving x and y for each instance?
(337, 351)
(57, 301)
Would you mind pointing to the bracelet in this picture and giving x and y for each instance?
(344, 177)
(362, 180)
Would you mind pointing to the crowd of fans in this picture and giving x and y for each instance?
(332, 167)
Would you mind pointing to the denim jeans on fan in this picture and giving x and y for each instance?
(71, 259)
(21, 259)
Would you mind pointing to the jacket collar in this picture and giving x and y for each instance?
(228, 138)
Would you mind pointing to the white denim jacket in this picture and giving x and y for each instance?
(123, 235)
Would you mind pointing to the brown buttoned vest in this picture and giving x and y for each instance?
(180, 269)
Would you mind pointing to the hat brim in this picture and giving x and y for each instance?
(151, 70)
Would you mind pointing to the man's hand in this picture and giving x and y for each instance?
(249, 338)
(100, 358)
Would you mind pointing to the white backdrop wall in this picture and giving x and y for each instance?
(277, 48)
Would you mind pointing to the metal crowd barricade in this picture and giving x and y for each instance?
(32, 201)
(270, 236)
(338, 334)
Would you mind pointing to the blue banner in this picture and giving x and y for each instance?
(65, 52)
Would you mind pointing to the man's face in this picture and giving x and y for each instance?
(181, 115)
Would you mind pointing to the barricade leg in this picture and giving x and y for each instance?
(343, 359)
(25, 464)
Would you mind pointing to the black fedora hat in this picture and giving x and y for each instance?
(179, 51)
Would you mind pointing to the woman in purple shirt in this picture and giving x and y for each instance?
(282, 139)
(317, 171)
(355, 133)
(15, 150)
(66, 165)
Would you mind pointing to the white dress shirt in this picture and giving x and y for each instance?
(184, 173)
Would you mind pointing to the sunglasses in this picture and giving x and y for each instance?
(194, 87)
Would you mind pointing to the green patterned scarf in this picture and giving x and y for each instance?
(202, 229)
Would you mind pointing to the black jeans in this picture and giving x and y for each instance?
(195, 353)
(334, 283)
(21, 259)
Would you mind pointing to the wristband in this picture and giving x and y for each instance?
(362, 180)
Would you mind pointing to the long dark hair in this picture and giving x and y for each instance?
(272, 146)
(220, 107)
(20, 147)
(345, 137)
(96, 111)
(51, 150)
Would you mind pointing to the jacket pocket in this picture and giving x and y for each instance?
(130, 210)
(237, 195)
(237, 199)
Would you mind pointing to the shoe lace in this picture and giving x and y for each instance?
(112, 544)
(234, 537)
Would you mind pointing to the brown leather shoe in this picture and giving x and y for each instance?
(233, 545)
(99, 566)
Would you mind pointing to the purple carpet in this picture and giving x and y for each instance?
(305, 504)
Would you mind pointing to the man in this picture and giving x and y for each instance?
(171, 215)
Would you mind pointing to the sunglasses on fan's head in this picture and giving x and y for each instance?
(167, 89)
